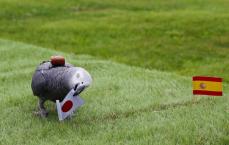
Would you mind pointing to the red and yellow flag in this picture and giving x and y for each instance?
(203, 85)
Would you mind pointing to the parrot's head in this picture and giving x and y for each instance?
(80, 80)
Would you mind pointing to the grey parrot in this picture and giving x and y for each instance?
(53, 82)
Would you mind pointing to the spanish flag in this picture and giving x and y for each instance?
(203, 85)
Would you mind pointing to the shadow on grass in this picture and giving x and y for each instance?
(153, 108)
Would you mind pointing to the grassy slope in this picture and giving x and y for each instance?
(188, 37)
(125, 105)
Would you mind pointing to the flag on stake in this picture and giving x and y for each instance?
(203, 85)
(68, 105)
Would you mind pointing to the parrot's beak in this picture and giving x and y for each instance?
(78, 89)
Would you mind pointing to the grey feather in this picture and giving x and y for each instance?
(52, 82)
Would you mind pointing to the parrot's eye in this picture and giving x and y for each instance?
(81, 82)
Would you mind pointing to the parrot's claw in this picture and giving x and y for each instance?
(41, 113)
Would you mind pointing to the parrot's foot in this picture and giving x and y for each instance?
(41, 113)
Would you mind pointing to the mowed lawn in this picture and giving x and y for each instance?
(188, 37)
(141, 54)
(125, 105)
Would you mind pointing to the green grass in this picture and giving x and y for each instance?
(146, 99)
(188, 37)
(125, 105)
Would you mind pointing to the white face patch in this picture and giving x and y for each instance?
(77, 75)
(81, 77)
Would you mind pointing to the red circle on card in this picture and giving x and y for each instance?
(67, 106)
